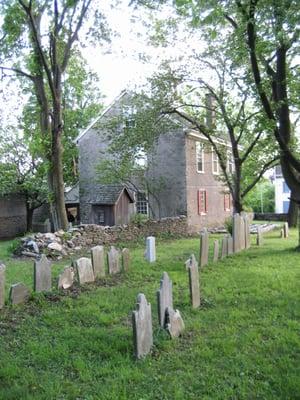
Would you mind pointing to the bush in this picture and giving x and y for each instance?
(139, 219)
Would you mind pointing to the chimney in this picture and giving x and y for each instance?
(210, 103)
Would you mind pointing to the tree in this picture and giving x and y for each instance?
(49, 29)
(262, 198)
(22, 173)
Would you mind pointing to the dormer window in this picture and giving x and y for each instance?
(199, 157)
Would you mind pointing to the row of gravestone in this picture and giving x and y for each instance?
(239, 240)
(168, 318)
(87, 271)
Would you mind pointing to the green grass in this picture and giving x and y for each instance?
(243, 343)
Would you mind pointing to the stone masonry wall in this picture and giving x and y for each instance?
(96, 234)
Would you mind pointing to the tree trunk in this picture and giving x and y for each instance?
(293, 212)
(29, 217)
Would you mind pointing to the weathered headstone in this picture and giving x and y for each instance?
(282, 233)
(126, 259)
(98, 261)
(150, 249)
(247, 232)
(229, 245)
(2, 285)
(259, 237)
(216, 251)
(224, 247)
(194, 284)
(18, 293)
(204, 246)
(286, 230)
(236, 233)
(84, 270)
(42, 275)
(66, 278)
(113, 257)
(175, 324)
(191, 261)
(142, 327)
(164, 298)
(243, 236)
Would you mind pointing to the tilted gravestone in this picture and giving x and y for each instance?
(18, 293)
(236, 233)
(224, 247)
(216, 251)
(42, 275)
(229, 245)
(113, 257)
(66, 278)
(98, 261)
(286, 230)
(84, 270)
(175, 324)
(164, 298)
(125, 259)
(191, 261)
(193, 271)
(204, 247)
(259, 237)
(150, 249)
(2, 285)
(142, 327)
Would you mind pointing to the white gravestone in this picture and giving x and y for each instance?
(150, 249)
(42, 275)
(97, 256)
(113, 256)
(84, 270)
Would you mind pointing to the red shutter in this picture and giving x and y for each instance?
(202, 202)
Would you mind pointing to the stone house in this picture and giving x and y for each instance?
(181, 160)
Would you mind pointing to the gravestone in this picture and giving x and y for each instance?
(247, 232)
(66, 278)
(42, 275)
(243, 235)
(150, 249)
(216, 251)
(142, 327)
(18, 293)
(113, 257)
(224, 247)
(126, 259)
(97, 256)
(193, 271)
(259, 237)
(204, 245)
(286, 230)
(2, 285)
(236, 233)
(282, 233)
(229, 245)
(84, 270)
(175, 324)
(191, 261)
(164, 298)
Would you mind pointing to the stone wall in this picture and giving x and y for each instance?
(270, 217)
(12, 216)
(91, 234)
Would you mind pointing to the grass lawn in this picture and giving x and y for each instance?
(243, 343)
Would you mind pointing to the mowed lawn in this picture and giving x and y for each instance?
(243, 343)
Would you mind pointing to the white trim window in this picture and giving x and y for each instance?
(215, 162)
(141, 203)
(200, 157)
(230, 163)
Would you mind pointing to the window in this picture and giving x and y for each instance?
(227, 202)
(285, 188)
(101, 217)
(129, 112)
(230, 163)
(141, 203)
(202, 202)
(199, 157)
(215, 162)
(278, 171)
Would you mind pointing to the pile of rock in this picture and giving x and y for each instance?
(55, 245)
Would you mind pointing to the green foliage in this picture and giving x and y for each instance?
(139, 219)
(229, 225)
(262, 198)
(244, 336)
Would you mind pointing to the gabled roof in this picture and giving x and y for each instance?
(108, 194)
(84, 131)
(72, 195)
